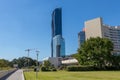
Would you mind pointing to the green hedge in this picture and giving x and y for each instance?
(54, 69)
(91, 68)
(80, 68)
(47, 69)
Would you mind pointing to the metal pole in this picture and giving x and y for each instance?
(37, 53)
(28, 50)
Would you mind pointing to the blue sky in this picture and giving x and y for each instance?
(27, 23)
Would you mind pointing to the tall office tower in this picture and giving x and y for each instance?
(57, 42)
(96, 28)
(81, 38)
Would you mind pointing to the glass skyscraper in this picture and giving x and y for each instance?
(81, 38)
(57, 22)
(57, 42)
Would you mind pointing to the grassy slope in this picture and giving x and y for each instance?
(103, 75)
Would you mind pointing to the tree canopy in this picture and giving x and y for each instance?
(95, 52)
(4, 63)
(21, 61)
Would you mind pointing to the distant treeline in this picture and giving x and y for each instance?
(22, 62)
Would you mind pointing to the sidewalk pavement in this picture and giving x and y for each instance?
(18, 75)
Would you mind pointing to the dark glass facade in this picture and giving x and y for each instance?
(57, 42)
(57, 22)
(81, 37)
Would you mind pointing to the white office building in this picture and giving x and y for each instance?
(96, 28)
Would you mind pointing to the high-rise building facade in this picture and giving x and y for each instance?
(57, 42)
(57, 22)
(81, 38)
(96, 28)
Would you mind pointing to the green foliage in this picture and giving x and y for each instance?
(77, 56)
(48, 66)
(43, 68)
(53, 69)
(23, 62)
(95, 52)
(80, 68)
(91, 68)
(4, 63)
(116, 62)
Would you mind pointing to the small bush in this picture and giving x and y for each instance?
(54, 69)
(36, 69)
(44, 68)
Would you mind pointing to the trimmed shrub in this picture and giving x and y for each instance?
(36, 69)
(54, 69)
(44, 68)
(80, 68)
(91, 68)
(112, 68)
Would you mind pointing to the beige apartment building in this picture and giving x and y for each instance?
(96, 28)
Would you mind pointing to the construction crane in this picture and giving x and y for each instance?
(28, 50)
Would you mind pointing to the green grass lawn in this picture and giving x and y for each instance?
(62, 75)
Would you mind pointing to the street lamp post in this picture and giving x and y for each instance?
(28, 50)
(37, 65)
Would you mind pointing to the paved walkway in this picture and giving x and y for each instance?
(18, 75)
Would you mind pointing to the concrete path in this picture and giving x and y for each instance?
(18, 75)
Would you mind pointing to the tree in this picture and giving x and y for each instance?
(95, 52)
(47, 64)
(116, 61)
(23, 62)
(4, 63)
